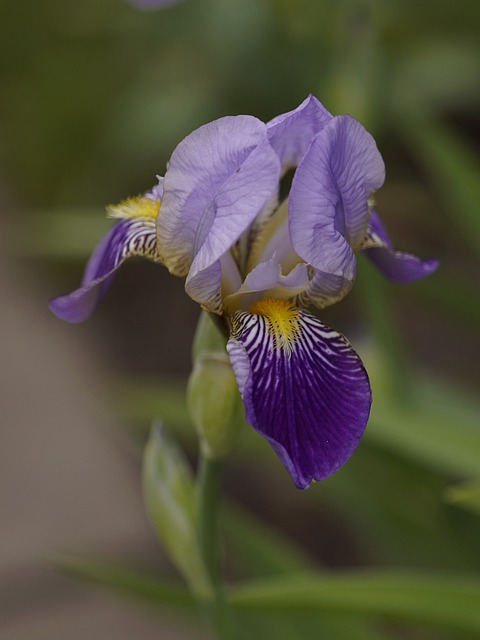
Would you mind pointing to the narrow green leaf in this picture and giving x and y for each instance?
(452, 166)
(125, 580)
(466, 495)
(451, 601)
(260, 548)
(437, 425)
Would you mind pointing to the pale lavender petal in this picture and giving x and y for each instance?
(395, 265)
(311, 402)
(267, 280)
(127, 238)
(156, 192)
(324, 289)
(218, 179)
(291, 133)
(205, 288)
(328, 211)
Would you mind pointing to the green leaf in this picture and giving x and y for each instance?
(170, 501)
(437, 425)
(453, 167)
(466, 495)
(125, 580)
(260, 548)
(439, 600)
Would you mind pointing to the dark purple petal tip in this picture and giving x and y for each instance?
(307, 392)
(400, 267)
(397, 266)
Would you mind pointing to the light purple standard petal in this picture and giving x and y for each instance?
(218, 179)
(291, 133)
(395, 265)
(328, 210)
(311, 400)
(127, 238)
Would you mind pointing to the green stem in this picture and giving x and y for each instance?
(208, 501)
(208, 538)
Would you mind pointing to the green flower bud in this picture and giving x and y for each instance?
(213, 398)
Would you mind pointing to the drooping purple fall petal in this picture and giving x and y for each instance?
(328, 210)
(127, 238)
(397, 266)
(305, 390)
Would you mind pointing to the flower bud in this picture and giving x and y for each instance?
(169, 494)
(213, 398)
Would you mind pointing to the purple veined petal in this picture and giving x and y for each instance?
(267, 280)
(397, 266)
(218, 179)
(210, 286)
(127, 238)
(205, 288)
(328, 211)
(324, 289)
(305, 390)
(291, 133)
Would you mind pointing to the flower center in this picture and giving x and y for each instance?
(136, 207)
(282, 321)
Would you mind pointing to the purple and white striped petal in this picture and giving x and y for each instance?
(328, 210)
(127, 238)
(395, 265)
(218, 179)
(305, 390)
(291, 133)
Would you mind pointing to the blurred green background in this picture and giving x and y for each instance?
(95, 96)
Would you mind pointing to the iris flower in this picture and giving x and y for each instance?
(257, 261)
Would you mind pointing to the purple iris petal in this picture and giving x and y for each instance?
(127, 238)
(291, 133)
(218, 179)
(395, 265)
(205, 288)
(310, 399)
(324, 289)
(328, 211)
(267, 279)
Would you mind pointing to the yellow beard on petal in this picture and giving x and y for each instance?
(136, 207)
(282, 320)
